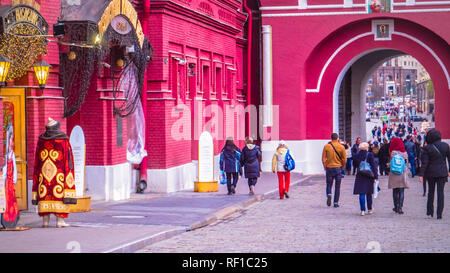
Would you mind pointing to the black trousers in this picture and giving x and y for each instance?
(424, 185)
(432, 182)
(252, 181)
(398, 196)
(235, 180)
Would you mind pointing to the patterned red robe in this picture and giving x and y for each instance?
(53, 178)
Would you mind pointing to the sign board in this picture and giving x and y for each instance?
(205, 158)
(77, 141)
(2, 193)
(385, 118)
(206, 182)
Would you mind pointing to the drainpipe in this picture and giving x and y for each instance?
(267, 75)
(144, 23)
(249, 64)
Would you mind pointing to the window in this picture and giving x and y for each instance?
(191, 89)
(205, 81)
(218, 81)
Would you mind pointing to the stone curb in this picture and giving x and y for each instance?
(141, 243)
(220, 214)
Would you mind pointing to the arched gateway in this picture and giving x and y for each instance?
(355, 44)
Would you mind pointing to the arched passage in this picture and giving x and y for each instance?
(349, 93)
(351, 43)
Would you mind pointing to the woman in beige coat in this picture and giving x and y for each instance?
(398, 182)
(284, 177)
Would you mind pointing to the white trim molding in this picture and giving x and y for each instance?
(340, 9)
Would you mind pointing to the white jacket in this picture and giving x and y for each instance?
(278, 160)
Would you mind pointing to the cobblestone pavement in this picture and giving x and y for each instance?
(303, 223)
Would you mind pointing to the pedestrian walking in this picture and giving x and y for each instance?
(348, 151)
(424, 178)
(434, 168)
(364, 180)
(383, 156)
(412, 152)
(229, 163)
(250, 160)
(278, 166)
(397, 180)
(334, 159)
(355, 150)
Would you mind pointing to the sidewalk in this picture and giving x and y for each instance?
(129, 225)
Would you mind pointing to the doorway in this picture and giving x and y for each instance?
(14, 114)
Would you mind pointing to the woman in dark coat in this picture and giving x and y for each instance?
(434, 158)
(364, 184)
(250, 158)
(229, 163)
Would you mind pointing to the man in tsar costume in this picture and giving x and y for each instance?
(53, 178)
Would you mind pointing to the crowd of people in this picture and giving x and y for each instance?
(389, 131)
(393, 157)
(233, 160)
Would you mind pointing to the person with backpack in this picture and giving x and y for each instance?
(434, 168)
(397, 180)
(282, 164)
(229, 162)
(334, 159)
(250, 160)
(365, 177)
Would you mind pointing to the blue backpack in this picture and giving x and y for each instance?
(289, 163)
(397, 164)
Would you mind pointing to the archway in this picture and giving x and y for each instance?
(333, 57)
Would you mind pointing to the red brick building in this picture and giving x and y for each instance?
(195, 81)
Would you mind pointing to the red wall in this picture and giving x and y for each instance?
(177, 33)
(303, 44)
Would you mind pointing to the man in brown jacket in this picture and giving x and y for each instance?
(334, 159)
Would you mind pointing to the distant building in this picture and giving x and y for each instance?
(396, 77)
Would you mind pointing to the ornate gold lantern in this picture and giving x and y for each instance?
(41, 70)
(4, 68)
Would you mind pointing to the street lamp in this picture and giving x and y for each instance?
(4, 67)
(41, 70)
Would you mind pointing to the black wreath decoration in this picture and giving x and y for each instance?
(139, 59)
(77, 70)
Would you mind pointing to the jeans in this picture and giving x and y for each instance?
(432, 182)
(348, 166)
(398, 196)
(334, 174)
(284, 179)
(412, 161)
(235, 179)
(362, 201)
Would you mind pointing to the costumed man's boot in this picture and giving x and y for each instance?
(60, 222)
(45, 220)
